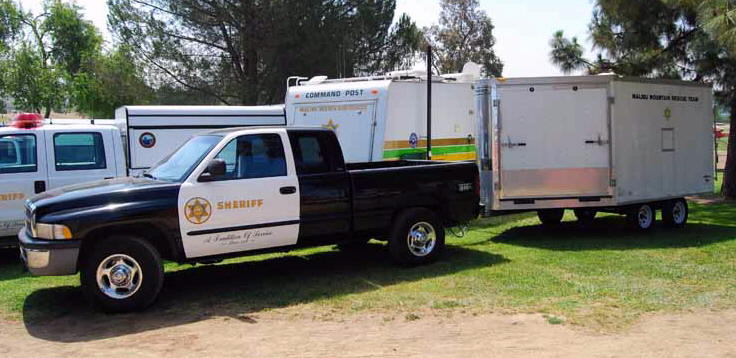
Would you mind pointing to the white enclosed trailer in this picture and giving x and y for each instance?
(594, 143)
(150, 133)
(385, 117)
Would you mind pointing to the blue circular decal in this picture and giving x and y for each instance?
(147, 140)
(413, 140)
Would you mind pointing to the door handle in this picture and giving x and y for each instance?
(599, 141)
(39, 186)
(288, 190)
(510, 144)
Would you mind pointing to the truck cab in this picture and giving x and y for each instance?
(35, 157)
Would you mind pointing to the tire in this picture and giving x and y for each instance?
(417, 237)
(675, 213)
(641, 217)
(551, 217)
(120, 256)
(585, 217)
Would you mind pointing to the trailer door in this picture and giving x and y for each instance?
(353, 122)
(553, 142)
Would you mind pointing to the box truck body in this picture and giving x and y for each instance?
(385, 117)
(592, 141)
(152, 132)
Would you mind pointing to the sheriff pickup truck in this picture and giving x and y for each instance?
(237, 192)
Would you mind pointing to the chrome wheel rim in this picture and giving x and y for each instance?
(645, 216)
(421, 239)
(678, 212)
(119, 276)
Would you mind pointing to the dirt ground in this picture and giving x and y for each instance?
(269, 334)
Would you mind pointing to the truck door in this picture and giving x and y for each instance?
(353, 122)
(255, 205)
(324, 187)
(78, 156)
(553, 142)
(22, 175)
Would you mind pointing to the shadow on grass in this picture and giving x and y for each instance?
(236, 290)
(611, 233)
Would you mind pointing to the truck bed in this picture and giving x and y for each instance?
(381, 189)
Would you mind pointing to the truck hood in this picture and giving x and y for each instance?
(100, 193)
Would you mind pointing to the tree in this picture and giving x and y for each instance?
(42, 53)
(464, 34)
(107, 82)
(34, 85)
(659, 38)
(241, 52)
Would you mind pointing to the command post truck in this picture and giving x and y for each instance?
(385, 117)
(237, 192)
(595, 143)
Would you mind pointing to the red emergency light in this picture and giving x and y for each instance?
(27, 120)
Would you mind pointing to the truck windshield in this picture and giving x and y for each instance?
(177, 166)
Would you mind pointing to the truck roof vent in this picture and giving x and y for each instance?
(316, 80)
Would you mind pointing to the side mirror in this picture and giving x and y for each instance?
(215, 168)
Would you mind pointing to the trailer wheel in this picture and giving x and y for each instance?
(418, 237)
(550, 217)
(641, 217)
(675, 213)
(122, 274)
(585, 216)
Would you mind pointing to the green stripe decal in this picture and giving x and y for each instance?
(398, 153)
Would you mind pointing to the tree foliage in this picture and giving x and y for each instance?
(108, 81)
(242, 52)
(464, 34)
(683, 39)
(55, 60)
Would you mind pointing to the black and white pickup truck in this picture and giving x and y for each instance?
(238, 192)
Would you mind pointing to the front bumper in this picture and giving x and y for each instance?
(48, 257)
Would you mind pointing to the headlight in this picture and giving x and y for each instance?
(51, 232)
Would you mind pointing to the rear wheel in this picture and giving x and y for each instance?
(122, 274)
(675, 213)
(641, 217)
(551, 217)
(585, 216)
(417, 237)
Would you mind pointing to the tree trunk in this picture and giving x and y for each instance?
(729, 179)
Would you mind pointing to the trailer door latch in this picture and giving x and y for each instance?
(599, 141)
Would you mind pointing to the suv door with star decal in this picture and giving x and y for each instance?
(250, 202)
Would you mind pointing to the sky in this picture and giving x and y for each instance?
(523, 27)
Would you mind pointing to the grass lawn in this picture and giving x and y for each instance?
(604, 276)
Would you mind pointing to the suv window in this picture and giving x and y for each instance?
(17, 153)
(79, 151)
(311, 152)
(254, 156)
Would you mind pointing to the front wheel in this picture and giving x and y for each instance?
(417, 237)
(675, 213)
(641, 217)
(122, 274)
